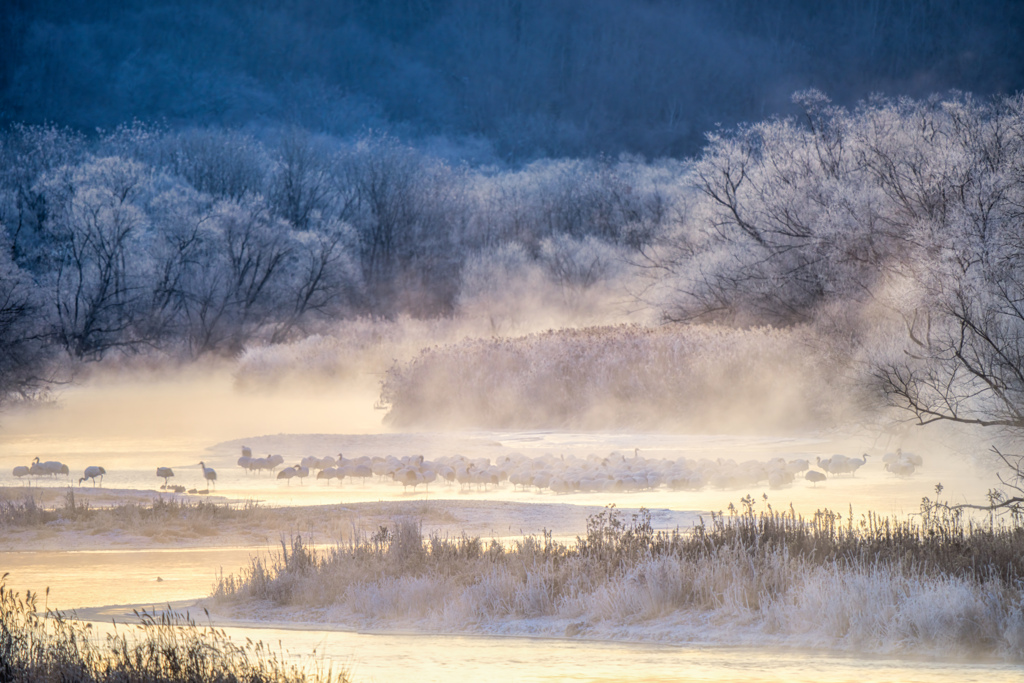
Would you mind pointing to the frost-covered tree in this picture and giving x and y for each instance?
(99, 263)
(302, 182)
(236, 287)
(406, 210)
(965, 194)
(785, 220)
(323, 279)
(24, 353)
(26, 154)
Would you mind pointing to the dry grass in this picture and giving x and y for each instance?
(28, 524)
(159, 521)
(936, 584)
(129, 515)
(166, 648)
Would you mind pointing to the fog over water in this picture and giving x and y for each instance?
(131, 426)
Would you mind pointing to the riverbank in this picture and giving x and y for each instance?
(105, 519)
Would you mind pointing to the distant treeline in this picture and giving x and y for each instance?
(521, 78)
(201, 241)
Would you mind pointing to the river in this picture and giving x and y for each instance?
(162, 423)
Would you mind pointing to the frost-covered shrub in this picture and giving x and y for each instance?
(696, 377)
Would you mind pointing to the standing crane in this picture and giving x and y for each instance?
(91, 472)
(209, 473)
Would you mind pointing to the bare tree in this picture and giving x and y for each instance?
(24, 349)
(235, 288)
(324, 282)
(97, 282)
(302, 182)
(406, 211)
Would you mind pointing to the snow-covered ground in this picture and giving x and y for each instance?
(444, 658)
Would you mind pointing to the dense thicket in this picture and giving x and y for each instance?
(695, 377)
(530, 77)
(907, 214)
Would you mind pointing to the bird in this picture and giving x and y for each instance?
(901, 468)
(209, 473)
(840, 464)
(901, 464)
(21, 471)
(91, 472)
(54, 467)
(362, 471)
(166, 473)
(814, 477)
(287, 473)
(913, 458)
(408, 476)
(36, 469)
(558, 485)
(829, 465)
(779, 477)
(855, 464)
(328, 473)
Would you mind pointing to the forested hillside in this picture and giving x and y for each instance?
(512, 79)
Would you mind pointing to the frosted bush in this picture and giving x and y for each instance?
(700, 377)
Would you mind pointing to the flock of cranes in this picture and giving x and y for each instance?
(50, 468)
(54, 468)
(616, 472)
